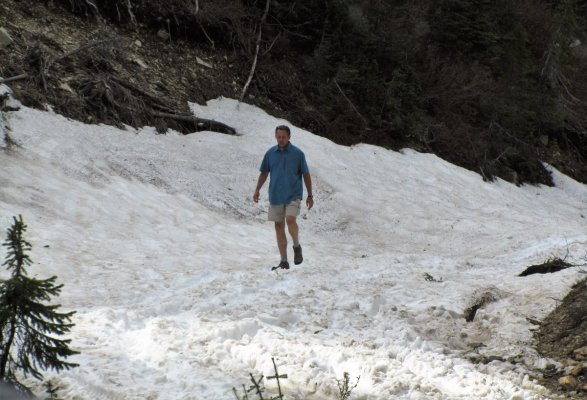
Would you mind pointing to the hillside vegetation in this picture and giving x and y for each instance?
(497, 87)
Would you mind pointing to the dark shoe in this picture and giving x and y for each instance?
(282, 265)
(298, 255)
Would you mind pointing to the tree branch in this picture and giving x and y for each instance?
(197, 5)
(13, 78)
(258, 45)
(81, 48)
(349, 101)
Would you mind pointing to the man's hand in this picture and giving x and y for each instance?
(308, 182)
(260, 182)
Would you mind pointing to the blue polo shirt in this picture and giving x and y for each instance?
(285, 167)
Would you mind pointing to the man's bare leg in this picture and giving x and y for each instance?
(292, 227)
(281, 240)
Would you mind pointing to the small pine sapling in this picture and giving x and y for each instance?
(345, 388)
(258, 388)
(29, 328)
(277, 377)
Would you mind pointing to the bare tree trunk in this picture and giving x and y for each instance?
(197, 5)
(132, 16)
(7, 347)
(256, 51)
(349, 101)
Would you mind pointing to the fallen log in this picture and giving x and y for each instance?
(200, 123)
(549, 267)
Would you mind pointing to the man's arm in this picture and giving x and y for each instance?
(260, 183)
(308, 182)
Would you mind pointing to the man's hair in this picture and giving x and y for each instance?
(283, 128)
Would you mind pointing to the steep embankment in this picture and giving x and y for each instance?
(494, 87)
(97, 72)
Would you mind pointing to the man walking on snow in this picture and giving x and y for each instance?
(286, 166)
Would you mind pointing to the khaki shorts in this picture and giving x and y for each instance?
(279, 212)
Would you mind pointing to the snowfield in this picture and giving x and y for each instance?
(166, 259)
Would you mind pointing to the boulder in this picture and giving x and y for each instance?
(204, 63)
(568, 382)
(580, 353)
(576, 370)
(5, 38)
(163, 34)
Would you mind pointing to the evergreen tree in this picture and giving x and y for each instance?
(28, 327)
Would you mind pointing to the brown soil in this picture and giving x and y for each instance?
(95, 72)
(563, 332)
(566, 329)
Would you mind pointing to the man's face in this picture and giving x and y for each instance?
(282, 137)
